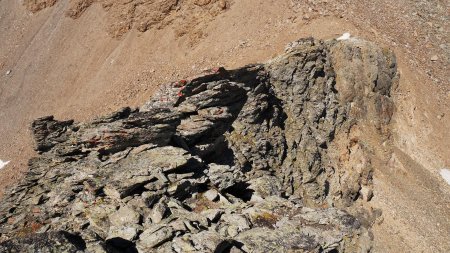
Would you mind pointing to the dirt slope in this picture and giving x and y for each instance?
(78, 68)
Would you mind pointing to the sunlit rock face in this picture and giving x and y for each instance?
(265, 158)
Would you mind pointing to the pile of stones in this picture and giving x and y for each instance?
(257, 159)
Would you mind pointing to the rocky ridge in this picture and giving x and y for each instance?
(266, 158)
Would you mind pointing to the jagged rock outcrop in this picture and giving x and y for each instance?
(266, 158)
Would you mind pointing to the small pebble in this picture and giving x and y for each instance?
(3, 164)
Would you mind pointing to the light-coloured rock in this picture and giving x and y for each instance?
(125, 216)
(160, 211)
(167, 158)
(211, 195)
(153, 237)
(206, 241)
(122, 188)
(265, 186)
(96, 248)
(98, 218)
(366, 193)
(183, 244)
(238, 221)
(128, 233)
(212, 215)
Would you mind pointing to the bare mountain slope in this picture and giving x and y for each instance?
(74, 68)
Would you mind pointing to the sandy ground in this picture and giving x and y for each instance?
(74, 68)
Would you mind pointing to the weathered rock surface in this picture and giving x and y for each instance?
(266, 158)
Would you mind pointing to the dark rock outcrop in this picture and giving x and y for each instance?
(266, 158)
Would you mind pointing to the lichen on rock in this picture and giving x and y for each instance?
(265, 158)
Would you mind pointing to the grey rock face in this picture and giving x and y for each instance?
(259, 159)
